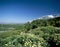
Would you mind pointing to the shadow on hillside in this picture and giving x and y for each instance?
(52, 42)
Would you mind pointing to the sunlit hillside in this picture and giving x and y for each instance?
(38, 33)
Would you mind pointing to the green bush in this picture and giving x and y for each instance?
(23, 40)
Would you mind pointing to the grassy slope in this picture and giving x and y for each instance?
(22, 36)
(37, 37)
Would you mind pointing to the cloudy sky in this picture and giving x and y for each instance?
(21, 11)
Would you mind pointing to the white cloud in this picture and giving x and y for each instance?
(50, 16)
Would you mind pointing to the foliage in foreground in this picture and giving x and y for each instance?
(38, 33)
(38, 37)
(23, 40)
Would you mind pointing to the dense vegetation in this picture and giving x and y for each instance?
(38, 33)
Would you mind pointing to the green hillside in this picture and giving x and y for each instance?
(38, 33)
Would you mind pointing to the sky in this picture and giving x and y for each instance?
(21, 11)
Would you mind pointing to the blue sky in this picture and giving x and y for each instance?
(21, 11)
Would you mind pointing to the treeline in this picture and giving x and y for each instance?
(43, 22)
